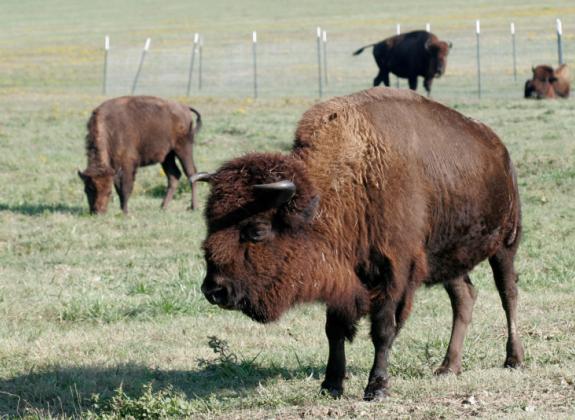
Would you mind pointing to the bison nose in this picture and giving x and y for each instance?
(216, 294)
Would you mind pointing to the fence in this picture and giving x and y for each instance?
(488, 59)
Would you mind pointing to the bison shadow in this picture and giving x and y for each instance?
(67, 391)
(36, 209)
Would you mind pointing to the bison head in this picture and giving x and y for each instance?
(438, 52)
(259, 216)
(98, 188)
(541, 86)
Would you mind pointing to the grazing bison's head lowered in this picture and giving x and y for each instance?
(260, 208)
(98, 188)
(438, 51)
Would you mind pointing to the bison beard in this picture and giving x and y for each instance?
(384, 191)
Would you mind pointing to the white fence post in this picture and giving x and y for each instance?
(105, 76)
(254, 53)
(194, 47)
(560, 40)
(398, 32)
(142, 57)
(477, 33)
(512, 28)
(319, 61)
(324, 38)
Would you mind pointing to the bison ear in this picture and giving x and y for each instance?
(277, 193)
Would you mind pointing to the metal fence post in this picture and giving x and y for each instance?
(324, 37)
(560, 41)
(105, 76)
(320, 87)
(142, 57)
(254, 52)
(194, 47)
(514, 52)
(477, 33)
(398, 31)
(200, 60)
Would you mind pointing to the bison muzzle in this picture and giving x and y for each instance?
(383, 191)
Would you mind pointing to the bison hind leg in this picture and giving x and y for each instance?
(462, 295)
(506, 282)
(173, 175)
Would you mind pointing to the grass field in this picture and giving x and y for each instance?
(103, 316)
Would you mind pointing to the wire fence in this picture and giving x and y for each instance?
(289, 65)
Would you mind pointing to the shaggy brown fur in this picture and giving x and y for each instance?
(417, 53)
(392, 191)
(548, 83)
(132, 131)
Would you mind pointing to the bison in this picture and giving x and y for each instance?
(132, 131)
(383, 191)
(417, 53)
(548, 83)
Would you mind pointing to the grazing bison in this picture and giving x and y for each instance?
(383, 191)
(132, 131)
(417, 53)
(548, 83)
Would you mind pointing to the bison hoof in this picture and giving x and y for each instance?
(446, 370)
(514, 355)
(333, 390)
(513, 362)
(376, 390)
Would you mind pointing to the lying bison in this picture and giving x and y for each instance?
(384, 191)
(548, 83)
(417, 53)
(132, 131)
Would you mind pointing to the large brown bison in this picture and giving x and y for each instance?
(417, 53)
(132, 131)
(548, 83)
(383, 191)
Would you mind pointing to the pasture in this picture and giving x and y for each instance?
(104, 317)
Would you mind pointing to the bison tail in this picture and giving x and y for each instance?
(515, 233)
(198, 121)
(358, 52)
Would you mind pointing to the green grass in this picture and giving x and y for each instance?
(104, 317)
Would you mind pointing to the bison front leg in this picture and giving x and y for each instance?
(124, 184)
(383, 332)
(335, 329)
(462, 295)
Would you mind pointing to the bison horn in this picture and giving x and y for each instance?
(201, 176)
(283, 190)
(450, 44)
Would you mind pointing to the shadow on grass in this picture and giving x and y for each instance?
(35, 209)
(68, 391)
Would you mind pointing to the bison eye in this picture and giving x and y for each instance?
(256, 231)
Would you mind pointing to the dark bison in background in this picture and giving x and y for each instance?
(548, 83)
(384, 191)
(132, 131)
(417, 53)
